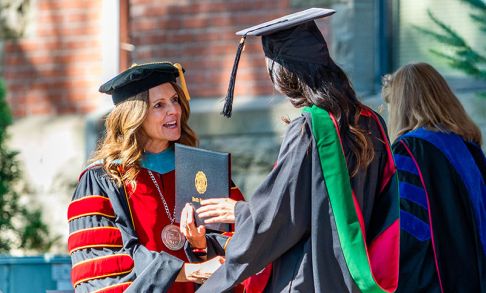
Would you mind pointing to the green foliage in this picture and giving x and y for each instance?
(5, 116)
(461, 56)
(20, 226)
(35, 233)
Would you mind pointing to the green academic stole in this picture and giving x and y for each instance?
(335, 171)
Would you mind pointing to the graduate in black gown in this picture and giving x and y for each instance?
(442, 171)
(326, 217)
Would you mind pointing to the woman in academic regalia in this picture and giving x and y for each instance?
(326, 217)
(442, 174)
(123, 235)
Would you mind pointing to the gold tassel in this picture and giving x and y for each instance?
(182, 80)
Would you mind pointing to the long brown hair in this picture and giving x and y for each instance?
(418, 96)
(329, 88)
(123, 144)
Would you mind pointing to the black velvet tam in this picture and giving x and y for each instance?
(294, 38)
(139, 78)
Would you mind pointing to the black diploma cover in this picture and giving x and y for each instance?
(201, 174)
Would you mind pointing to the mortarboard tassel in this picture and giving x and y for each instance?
(182, 80)
(228, 104)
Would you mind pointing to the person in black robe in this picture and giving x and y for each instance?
(326, 217)
(442, 174)
(121, 218)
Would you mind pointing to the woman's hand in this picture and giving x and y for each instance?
(195, 235)
(185, 274)
(217, 210)
(200, 272)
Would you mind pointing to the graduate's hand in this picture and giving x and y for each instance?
(217, 210)
(195, 235)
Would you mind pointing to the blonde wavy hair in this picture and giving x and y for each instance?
(418, 96)
(122, 147)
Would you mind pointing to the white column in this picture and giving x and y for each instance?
(110, 42)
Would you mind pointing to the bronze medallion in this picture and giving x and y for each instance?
(172, 237)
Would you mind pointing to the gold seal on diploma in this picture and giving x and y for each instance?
(201, 182)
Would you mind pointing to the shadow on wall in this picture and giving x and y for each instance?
(40, 67)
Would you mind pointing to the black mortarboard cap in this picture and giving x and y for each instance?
(140, 78)
(294, 37)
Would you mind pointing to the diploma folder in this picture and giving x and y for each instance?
(201, 174)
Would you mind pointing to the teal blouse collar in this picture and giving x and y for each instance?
(162, 162)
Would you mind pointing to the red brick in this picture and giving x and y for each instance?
(56, 70)
(84, 16)
(64, 5)
(68, 30)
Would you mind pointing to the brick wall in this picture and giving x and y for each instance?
(54, 69)
(201, 36)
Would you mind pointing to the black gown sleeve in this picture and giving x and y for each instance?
(275, 219)
(114, 258)
(216, 245)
